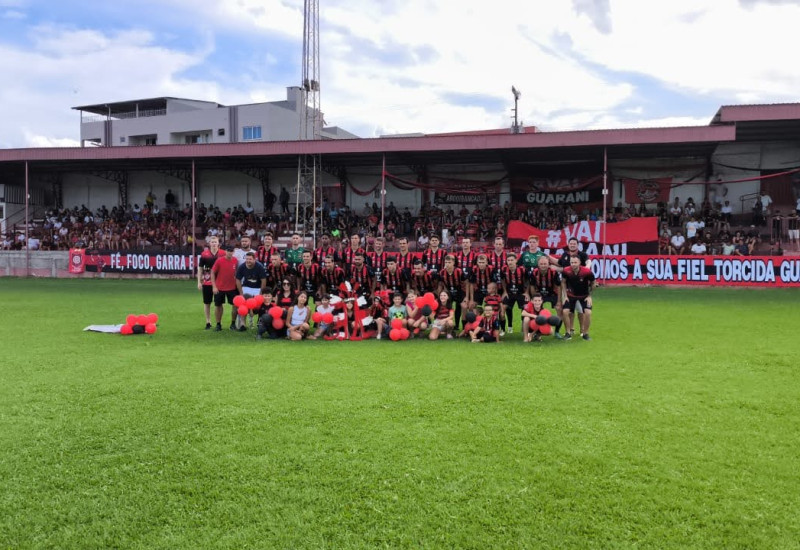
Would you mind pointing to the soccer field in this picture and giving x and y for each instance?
(677, 426)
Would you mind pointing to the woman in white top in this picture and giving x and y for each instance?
(298, 317)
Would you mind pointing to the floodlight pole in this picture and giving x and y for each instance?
(383, 196)
(517, 93)
(194, 219)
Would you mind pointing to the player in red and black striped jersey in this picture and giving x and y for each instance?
(349, 253)
(498, 258)
(421, 281)
(392, 279)
(330, 276)
(514, 287)
(451, 280)
(466, 257)
(546, 280)
(577, 283)
(488, 329)
(433, 257)
(495, 299)
(266, 250)
(360, 273)
(376, 259)
(325, 249)
(307, 275)
(480, 279)
(405, 259)
(277, 270)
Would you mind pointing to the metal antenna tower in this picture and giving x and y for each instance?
(308, 166)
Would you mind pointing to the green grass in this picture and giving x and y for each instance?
(677, 426)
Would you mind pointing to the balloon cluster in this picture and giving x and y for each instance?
(246, 305)
(322, 318)
(139, 324)
(427, 304)
(398, 331)
(274, 315)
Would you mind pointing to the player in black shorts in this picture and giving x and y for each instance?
(481, 277)
(514, 285)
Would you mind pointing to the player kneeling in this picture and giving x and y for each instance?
(538, 321)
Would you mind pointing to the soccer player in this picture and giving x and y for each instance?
(546, 280)
(359, 273)
(223, 284)
(251, 280)
(514, 286)
(481, 277)
(377, 260)
(204, 265)
(307, 275)
(530, 258)
(325, 249)
(497, 258)
(392, 278)
(348, 254)
(405, 259)
(451, 280)
(330, 276)
(433, 257)
(277, 271)
(267, 249)
(577, 283)
(294, 254)
(495, 299)
(421, 281)
(564, 263)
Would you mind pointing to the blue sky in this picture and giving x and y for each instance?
(401, 66)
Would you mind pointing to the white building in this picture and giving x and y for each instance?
(175, 121)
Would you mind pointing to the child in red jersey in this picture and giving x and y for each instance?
(488, 329)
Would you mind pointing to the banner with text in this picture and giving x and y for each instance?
(636, 235)
(585, 191)
(119, 261)
(761, 271)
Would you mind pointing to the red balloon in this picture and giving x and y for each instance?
(277, 323)
(141, 320)
(397, 323)
(238, 300)
(327, 318)
(316, 317)
(130, 320)
(395, 334)
(126, 329)
(242, 310)
(259, 300)
(275, 312)
(150, 328)
(404, 333)
(429, 298)
(251, 303)
(434, 305)
(152, 318)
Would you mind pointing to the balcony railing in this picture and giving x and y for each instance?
(119, 116)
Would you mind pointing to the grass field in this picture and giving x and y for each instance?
(678, 426)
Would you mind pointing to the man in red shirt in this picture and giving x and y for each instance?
(223, 284)
(207, 259)
(577, 282)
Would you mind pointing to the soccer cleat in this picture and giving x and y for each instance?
(557, 336)
(218, 328)
(511, 330)
(568, 336)
(233, 326)
(585, 336)
(208, 326)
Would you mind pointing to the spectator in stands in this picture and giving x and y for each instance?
(675, 213)
(698, 247)
(677, 243)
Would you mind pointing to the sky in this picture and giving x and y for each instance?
(401, 66)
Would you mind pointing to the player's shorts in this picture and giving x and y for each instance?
(572, 304)
(457, 296)
(222, 295)
(478, 296)
(551, 298)
(208, 294)
(512, 299)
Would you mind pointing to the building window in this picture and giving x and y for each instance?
(122, 139)
(251, 133)
(150, 141)
(221, 132)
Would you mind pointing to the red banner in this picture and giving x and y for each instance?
(761, 271)
(647, 191)
(76, 260)
(634, 230)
